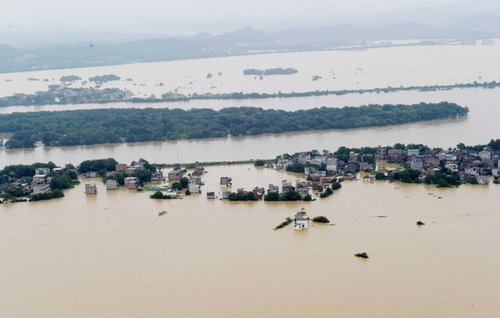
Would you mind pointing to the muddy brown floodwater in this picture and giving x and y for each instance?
(111, 255)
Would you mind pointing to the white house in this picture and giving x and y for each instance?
(452, 167)
(131, 182)
(42, 171)
(194, 188)
(303, 157)
(471, 171)
(282, 163)
(413, 152)
(41, 188)
(91, 174)
(111, 184)
(331, 164)
(39, 178)
(318, 161)
(301, 220)
(495, 172)
(90, 188)
(211, 195)
(484, 154)
(483, 180)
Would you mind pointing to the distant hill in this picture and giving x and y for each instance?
(485, 23)
(243, 41)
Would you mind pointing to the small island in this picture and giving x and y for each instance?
(270, 71)
(80, 95)
(59, 94)
(100, 79)
(69, 78)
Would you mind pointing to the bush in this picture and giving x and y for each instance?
(328, 192)
(160, 195)
(61, 182)
(336, 185)
(260, 163)
(273, 196)
(246, 196)
(296, 167)
(283, 224)
(54, 194)
(380, 176)
(321, 219)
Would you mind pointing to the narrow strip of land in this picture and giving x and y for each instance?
(64, 95)
(98, 126)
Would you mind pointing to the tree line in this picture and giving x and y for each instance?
(97, 126)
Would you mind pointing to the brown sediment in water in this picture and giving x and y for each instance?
(110, 255)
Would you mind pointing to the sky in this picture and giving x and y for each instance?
(31, 17)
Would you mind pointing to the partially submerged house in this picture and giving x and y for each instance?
(111, 184)
(90, 188)
(301, 220)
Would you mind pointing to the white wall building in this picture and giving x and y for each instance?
(90, 188)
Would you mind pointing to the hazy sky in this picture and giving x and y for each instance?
(33, 20)
(174, 16)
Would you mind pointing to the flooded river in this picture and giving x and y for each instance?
(478, 128)
(395, 66)
(112, 256)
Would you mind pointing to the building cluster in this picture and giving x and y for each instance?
(130, 181)
(320, 168)
(64, 95)
(301, 187)
(39, 183)
(194, 179)
(472, 166)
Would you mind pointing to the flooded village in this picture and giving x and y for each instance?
(318, 174)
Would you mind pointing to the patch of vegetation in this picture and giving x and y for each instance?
(407, 176)
(64, 128)
(443, 178)
(160, 196)
(97, 165)
(245, 196)
(296, 167)
(283, 224)
(286, 196)
(321, 219)
(54, 194)
(328, 192)
(361, 255)
(259, 163)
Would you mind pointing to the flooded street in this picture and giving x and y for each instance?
(112, 256)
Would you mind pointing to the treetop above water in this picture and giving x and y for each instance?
(89, 127)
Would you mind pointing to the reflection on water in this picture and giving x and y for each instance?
(112, 256)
